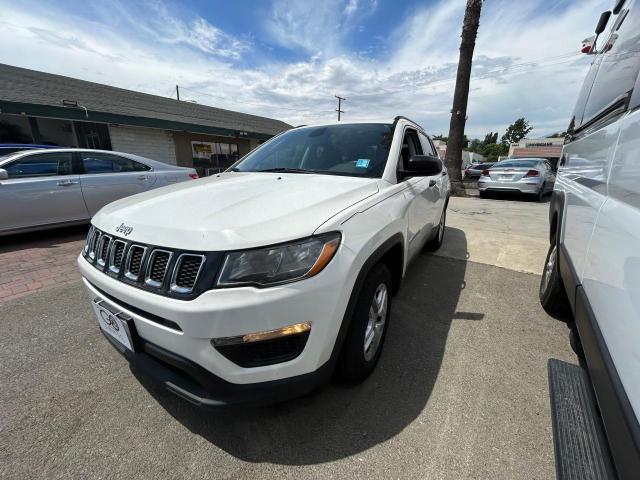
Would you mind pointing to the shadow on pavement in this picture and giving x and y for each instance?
(523, 197)
(340, 420)
(43, 238)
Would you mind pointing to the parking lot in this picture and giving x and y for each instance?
(460, 392)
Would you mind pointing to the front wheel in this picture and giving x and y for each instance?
(368, 328)
(553, 296)
(436, 242)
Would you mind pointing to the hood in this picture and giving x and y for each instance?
(235, 210)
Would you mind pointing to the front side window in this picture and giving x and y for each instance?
(410, 146)
(41, 165)
(108, 163)
(358, 150)
(426, 144)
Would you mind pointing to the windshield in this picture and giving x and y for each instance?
(517, 164)
(358, 150)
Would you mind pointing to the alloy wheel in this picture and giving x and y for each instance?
(377, 319)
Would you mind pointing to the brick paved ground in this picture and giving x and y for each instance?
(37, 261)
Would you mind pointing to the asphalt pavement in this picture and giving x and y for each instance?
(460, 392)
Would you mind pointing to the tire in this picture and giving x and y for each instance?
(483, 194)
(436, 242)
(540, 195)
(553, 296)
(368, 326)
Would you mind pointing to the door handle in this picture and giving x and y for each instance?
(142, 177)
(432, 183)
(66, 183)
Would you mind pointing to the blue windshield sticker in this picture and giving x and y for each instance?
(362, 163)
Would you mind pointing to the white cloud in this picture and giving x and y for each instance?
(518, 67)
(351, 7)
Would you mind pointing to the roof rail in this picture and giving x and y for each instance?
(401, 117)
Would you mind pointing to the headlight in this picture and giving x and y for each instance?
(278, 264)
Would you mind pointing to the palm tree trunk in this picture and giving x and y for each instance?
(453, 158)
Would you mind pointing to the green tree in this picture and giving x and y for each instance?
(493, 150)
(490, 138)
(440, 137)
(516, 131)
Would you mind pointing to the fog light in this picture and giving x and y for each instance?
(264, 348)
(264, 335)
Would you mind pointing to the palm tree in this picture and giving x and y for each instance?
(453, 158)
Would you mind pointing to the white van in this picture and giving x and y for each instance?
(593, 264)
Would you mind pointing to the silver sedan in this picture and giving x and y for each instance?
(523, 175)
(56, 187)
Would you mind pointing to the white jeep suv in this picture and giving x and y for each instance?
(253, 285)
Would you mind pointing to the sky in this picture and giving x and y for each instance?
(286, 59)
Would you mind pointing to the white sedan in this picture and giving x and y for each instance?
(57, 187)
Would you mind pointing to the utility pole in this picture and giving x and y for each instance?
(340, 100)
(177, 93)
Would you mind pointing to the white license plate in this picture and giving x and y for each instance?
(505, 178)
(113, 326)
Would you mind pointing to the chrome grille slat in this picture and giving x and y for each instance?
(135, 257)
(157, 267)
(94, 243)
(103, 250)
(117, 256)
(186, 272)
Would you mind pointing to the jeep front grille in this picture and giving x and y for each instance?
(160, 270)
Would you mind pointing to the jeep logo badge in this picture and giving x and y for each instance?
(124, 229)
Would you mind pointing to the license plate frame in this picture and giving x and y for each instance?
(116, 324)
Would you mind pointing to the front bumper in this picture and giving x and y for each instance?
(193, 383)
(529, 185)
(187, 328)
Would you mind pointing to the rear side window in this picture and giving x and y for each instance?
(619, 62)
(108, 163)
(41, 165)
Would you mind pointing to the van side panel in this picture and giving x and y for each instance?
(611, 277)
(582, 177)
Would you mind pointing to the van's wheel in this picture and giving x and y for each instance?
(436, 242)
(363, 344)
(553, 296)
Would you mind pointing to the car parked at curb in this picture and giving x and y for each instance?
(65, 186)
(592, 270)
(531, 176)
(476, 169)
(256, 284)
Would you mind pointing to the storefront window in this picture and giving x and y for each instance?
(213, 157)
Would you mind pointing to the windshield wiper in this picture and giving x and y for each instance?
(288, 170)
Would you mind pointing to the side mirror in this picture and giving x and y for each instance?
(602, 23)
(422, 166)
(3, 174)
(589, 47)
